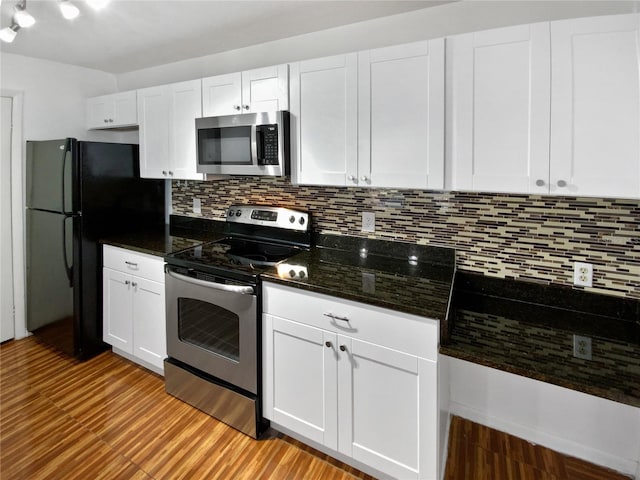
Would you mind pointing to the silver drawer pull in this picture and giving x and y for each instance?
(132, 264)
(336, 317)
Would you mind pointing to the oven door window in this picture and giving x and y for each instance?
(225, 146)
(210, 327)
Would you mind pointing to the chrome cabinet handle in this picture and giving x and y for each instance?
(134, 284)
(540, 183)
(364, 178)
(111, 120)
(246, 107)
(127, 282)
(170, 173)
(131, 264)
(236, 107)
(328, 344)
(562, 183)
(164, 172)
(343, 348)
(336, 317)
(106, 121)
(351, 178)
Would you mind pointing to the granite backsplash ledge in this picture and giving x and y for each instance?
(525, 237)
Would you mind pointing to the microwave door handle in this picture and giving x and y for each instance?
(218, 286)
(254, 146)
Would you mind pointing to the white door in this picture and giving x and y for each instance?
(6, 255)
(595, 106)
(265, 89)
(125, 109)
(401, 116)
(222, 95)
(117, 307)
(375, 382)
(149, 330)
(186, 106)
(324, 121)
(99, 111)
(500, 95)
(154, 131)
(302, 370)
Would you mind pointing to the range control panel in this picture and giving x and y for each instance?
(269, 216)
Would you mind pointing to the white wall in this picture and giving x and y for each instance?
(422, 24)
(600, 431)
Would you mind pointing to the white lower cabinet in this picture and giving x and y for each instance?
(134, 306)
(364, 388)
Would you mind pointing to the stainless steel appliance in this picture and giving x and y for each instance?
(214, 308)
(78, 193)
(244, 144)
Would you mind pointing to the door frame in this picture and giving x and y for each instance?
(17, 211)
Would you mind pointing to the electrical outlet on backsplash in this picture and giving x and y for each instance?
(500, 235)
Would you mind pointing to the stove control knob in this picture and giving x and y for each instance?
(238, 213)
(230, 213)
(292, 273)
(301, 221)
(302, 275)
(292, 219)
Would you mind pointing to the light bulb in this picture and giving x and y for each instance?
(23, 18)
(98, 4)
(68, 10)
(8, 34)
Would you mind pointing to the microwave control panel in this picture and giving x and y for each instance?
(267, 138)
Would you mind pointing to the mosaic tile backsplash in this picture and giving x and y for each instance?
(525, 237)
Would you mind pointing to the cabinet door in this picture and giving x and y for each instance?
(117, 308)
(222, 95)
(401, 116)
(324, 123)
(387, 409)
(301, 379)
(153, 113)
(99, 111)
(265, 89)
(186, 106)
(500, 96)
(149, 327)
(595, 109)
(125, 109)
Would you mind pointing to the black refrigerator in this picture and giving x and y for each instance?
(78, 193)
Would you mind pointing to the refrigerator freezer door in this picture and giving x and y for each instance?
(50, 172)
(50, 293)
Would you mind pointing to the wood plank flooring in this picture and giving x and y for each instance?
(108, 418)
(477, 452)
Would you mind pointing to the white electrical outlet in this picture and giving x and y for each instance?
(583, 274)
(197, 205)
(582, 347)
(368, 222)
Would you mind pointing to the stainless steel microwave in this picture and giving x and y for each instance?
(244, 144)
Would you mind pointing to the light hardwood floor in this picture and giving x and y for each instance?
(108, 418)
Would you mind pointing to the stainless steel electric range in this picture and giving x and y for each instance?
(214, 308)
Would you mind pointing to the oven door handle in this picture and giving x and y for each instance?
(218, 286)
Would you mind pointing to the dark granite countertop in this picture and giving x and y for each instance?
(182, 233)
(380, 275)
(527, 329)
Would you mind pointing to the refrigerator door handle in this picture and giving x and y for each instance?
(67, 264)
(67, 152)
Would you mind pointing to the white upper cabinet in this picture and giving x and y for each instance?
(499, 98)
(401, 116)
(111, 111)
(167, 130)
(324, 120)
(372, 119)
(595, 106)
(259, 90)
(549, 108)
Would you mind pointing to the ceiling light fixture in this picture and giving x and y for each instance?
(7, 34)
(68, 9)
(23, 18)
(98, 4)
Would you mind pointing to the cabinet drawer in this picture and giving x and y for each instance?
(411, 334)
(140, 264)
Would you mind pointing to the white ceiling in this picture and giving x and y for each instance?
(134, 34)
